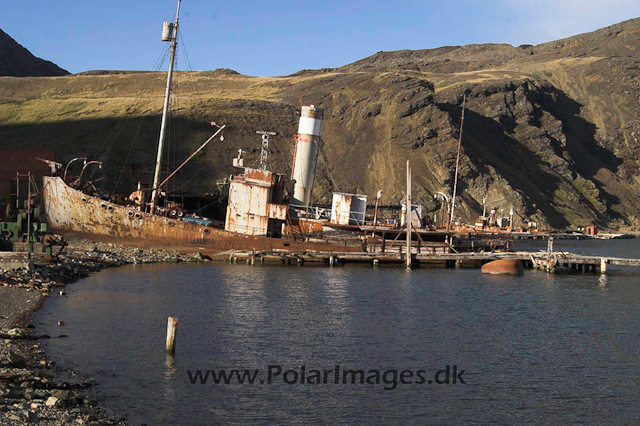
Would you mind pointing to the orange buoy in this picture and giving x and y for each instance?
(503, 267)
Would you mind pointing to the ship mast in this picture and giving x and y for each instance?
(166, 36)
(455, 179)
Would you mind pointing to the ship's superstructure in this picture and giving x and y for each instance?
(255, 203)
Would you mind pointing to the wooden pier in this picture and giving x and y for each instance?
(550, 262)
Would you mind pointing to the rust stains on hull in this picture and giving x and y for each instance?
(503, 267)
(69, 211)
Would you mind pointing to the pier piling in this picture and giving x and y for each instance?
(172, 325)
(603, 265)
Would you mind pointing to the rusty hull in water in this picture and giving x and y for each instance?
(69, 211)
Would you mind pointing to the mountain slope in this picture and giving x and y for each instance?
(550, 130)
(17, 61)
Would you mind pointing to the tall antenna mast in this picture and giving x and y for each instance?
(169, 33)
(455, 179)
(264, 153)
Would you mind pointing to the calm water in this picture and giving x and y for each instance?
(538, 349)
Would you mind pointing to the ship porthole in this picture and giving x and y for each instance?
(130, 213)
(84, 199)
(171, 223)
(207, 231)
(138, 215)
(110, 208)
(103, 205)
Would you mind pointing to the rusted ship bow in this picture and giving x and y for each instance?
(71, 212)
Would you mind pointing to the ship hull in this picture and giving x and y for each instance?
(71, 212)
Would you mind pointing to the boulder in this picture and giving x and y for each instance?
(15, 332)
(16, 360)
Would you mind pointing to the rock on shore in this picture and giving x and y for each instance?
(32, 389)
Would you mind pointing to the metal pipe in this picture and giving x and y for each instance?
(375, 213)
(99, 163)
(455, 180)
(511, 219)
(408, 214)
(64, 177)
(165, 110)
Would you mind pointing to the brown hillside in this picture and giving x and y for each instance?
(551, 130)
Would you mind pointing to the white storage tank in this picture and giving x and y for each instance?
(348, 209)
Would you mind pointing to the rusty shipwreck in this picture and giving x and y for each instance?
(265, 211)
(261, 203)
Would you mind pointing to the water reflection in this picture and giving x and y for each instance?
(547, 343)
(602, 281)
(243, 295)
(336, 294)
(169, 384)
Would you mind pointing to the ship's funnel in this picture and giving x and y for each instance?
(306, 154)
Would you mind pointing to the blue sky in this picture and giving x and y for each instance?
(282, 37)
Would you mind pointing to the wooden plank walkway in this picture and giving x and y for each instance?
(541, 259)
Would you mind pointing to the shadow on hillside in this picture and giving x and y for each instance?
(116, 142)
(122, 142)
(587, 155)
(487, 142)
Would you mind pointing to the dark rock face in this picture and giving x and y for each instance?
(17, 61)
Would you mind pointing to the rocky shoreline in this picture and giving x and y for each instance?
(33, 389)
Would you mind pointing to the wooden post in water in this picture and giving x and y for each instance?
(408, 214)
(603, 265)
(172, 325)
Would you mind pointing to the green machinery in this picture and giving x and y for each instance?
(24, 225)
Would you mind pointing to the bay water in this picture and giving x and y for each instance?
(540, 349)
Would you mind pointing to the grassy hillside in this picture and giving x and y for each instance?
(551, 130)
